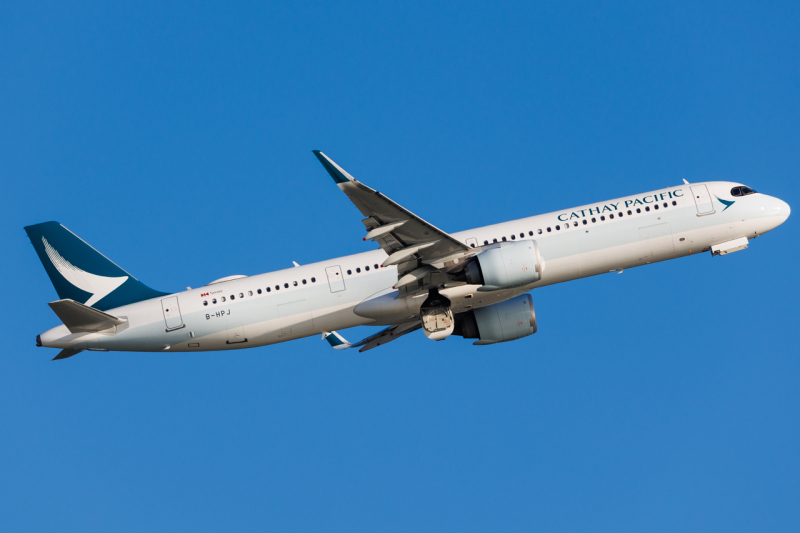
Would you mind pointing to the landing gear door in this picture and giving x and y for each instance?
(172, 313)
(702, 200)
(335, 278)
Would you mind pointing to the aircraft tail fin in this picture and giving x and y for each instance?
(81, 273)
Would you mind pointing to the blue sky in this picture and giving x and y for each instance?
(176, 138)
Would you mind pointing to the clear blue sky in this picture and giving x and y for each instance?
(176, 138)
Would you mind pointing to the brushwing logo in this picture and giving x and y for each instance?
(726, 203)
(98, 286)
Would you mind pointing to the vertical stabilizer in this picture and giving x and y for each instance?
(81, 273)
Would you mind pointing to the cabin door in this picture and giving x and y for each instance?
(702, 200)
(172, 313)
(335, 278)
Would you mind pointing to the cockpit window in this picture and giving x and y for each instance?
(742, 191)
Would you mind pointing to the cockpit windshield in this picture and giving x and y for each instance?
(742, 191)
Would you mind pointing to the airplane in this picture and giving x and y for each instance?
(474, 284)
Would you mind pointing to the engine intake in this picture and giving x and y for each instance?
(512, 264)
(501, 322)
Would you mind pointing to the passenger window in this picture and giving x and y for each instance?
(304, 282)
(629, 212)
(548, 230)
(594, 220)
(575, 223)
(521, 235)
(485, 243)
(241, 294)
(376, 266)
(205, 302)
(268, 289)
(513, 237)
(358, 270)
(647, 208)
(494, 240)
(294, 283)
(674, 202)
(504, 239)
(558, 227)
(259, 291)
(277, 287)
(540, 232)
(611, 216)
(366, 268)
(222, 298)
(233, 297)
(638, 210)
(655, 206)
(665, 205)
(473, 245)
(584, 222)
(530, 233)
(250, 293)
(214, 301)
(602, 218)
(285, 285)
(313, 280)
(349, 272)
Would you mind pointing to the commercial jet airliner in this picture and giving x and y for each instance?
(473, 284)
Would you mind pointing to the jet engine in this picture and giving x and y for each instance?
(511, 264)
(501, 322)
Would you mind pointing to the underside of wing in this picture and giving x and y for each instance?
(387, 335)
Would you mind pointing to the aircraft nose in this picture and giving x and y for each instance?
(782, 209)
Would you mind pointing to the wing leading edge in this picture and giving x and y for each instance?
(417, 247)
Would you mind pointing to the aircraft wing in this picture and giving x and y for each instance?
(386, 335)
(417, 247)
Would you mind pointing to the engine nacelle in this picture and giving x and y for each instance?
(505, 321)
(512, 264)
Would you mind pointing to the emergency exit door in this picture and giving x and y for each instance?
(172, 313)
(702, 200)
(335, 278)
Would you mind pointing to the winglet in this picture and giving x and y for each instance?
(338, 174)
(336, 341)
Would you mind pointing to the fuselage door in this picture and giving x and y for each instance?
(335, 278)
(172, 313)
(235, 334)
(702, 200)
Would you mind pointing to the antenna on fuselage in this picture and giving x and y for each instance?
(686, 182)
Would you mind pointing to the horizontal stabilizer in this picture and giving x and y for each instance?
(82, 319)
(63, 354)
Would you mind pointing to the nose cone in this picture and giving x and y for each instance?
(775, 212)
(782, 209)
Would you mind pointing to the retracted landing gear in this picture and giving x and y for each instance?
(436, 316)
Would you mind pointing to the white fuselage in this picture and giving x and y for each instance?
(350, 291)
